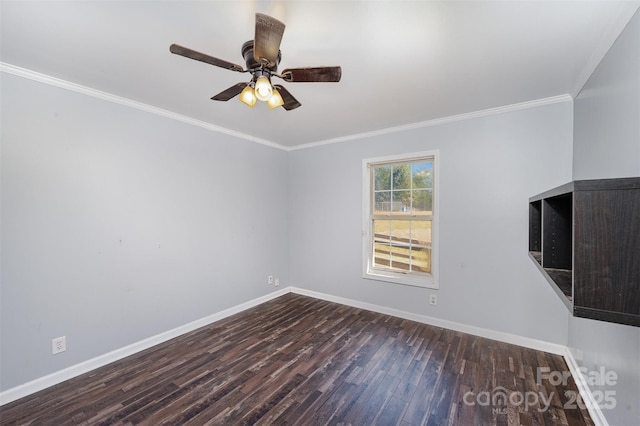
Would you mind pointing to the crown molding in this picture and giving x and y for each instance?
(439, 121)
(53, 81)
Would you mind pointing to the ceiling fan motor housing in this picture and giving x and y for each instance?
(253, 66)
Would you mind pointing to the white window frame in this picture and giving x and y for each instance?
(429, 280)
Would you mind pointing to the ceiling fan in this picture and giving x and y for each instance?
(262, 56)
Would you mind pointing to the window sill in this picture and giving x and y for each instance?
(422, 281)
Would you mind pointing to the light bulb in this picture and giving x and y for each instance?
(275, 100)
(247, 96)
(263, 88)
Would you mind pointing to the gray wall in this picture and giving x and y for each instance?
(607, 144)
(489, 167)
(607, 113)
(118, 225)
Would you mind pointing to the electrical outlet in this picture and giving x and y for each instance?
(270, 280)
(59, 344)
(433, 299)
(277, 283)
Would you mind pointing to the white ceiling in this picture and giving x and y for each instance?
(403, 62)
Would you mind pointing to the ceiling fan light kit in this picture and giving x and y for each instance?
(262, 56)
(249, 96)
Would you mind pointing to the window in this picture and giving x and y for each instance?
(400, 219)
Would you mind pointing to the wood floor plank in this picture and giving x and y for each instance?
(296, 360)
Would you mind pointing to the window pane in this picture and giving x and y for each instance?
(421, 245)
(399, 244)
(383, 202)
(391, 250)
(401, 231)
(422, 175)
(381, 255)
(381, 230)
(401, 201)
(382, 178)
(381, 238)
(421, 233)
(402, 177)
(423, 201)
(400, 256)
(421, 260)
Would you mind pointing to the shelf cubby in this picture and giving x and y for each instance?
(584, 237)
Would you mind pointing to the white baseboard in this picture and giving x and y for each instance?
(451, 325)
(86, 366)
(585, 392)
(75, 370)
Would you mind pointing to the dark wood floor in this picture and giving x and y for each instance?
(298, 360)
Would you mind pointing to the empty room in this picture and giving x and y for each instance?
(320, 212)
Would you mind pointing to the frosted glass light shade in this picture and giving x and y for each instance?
(263, 88)
(275, 100)
(247, 96)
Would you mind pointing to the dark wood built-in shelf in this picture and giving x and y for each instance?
(584, 237)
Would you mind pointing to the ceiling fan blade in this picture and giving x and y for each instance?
(192, 54)
(267, 39)
(312, 74)
(229, 93)
(289, 101)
